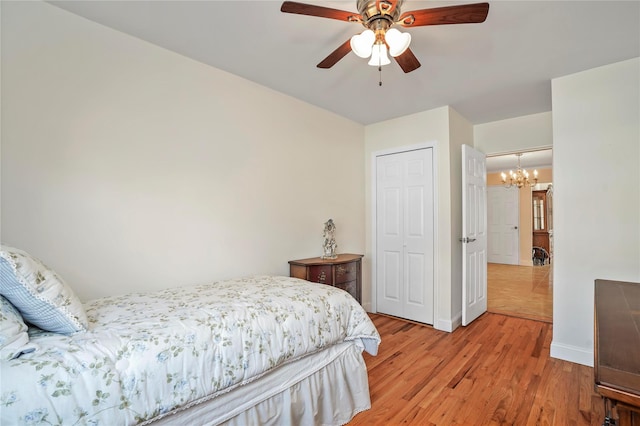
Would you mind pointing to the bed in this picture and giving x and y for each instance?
(255, 350)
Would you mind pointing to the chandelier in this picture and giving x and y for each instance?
(520, 177)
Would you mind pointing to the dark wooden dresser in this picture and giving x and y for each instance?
(345, 272)
(617, 350)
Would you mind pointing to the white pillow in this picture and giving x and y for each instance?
(13, 332)
(40, 295)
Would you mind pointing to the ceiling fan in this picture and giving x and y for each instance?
(380, 38)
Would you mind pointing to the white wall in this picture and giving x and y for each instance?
(428, 126)
(129, 167)
(525, 133)
(460, 133)
(596, 135)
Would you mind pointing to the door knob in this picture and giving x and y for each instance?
(467, 240)
(515, 227)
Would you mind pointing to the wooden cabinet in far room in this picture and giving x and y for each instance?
(540, 220)
(344, 272)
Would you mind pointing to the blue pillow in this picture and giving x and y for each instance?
(40, 295)
(14, 339)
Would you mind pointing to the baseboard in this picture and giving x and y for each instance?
(572, 354)
(438, 324)
(448, 325)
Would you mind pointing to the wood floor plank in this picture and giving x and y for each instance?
(522, 291)
(495, 371)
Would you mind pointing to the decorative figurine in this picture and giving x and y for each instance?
(329, 247)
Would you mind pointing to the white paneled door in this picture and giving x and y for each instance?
(503, 211)
(474, 234)
(405, 234)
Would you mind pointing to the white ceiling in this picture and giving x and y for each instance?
(499, 69)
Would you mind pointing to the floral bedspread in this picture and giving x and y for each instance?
(149, 353)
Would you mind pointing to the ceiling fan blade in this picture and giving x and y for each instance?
(408, 61)
(319, 11)
(336, 55)
(461, 14)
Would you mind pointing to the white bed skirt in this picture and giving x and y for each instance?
(326, 388)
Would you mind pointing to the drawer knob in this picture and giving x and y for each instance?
(322, 277)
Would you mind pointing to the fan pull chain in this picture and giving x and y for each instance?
(380, 72)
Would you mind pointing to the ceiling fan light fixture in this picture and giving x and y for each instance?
(362, 44)
(398, 42)
(379, 55)
(379, 16)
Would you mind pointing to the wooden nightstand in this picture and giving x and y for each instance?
(345, 272)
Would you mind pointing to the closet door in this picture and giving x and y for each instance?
(404, 234)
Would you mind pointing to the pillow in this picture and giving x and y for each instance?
(40, 295)
(13, 332)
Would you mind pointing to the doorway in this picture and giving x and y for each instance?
(522, 289)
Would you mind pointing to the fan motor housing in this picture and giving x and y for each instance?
(372, 16)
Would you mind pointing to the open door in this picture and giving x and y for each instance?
(474, 234)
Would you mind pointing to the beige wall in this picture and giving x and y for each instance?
(426, 127)
(448, 131)
(519, 134)
(596, 130)
(460, 133)
(526, 220)
(127, 167)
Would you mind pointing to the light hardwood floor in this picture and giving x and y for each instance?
(496, 371)
(522, 291)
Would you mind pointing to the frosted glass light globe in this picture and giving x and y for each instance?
(379, 55)
(398, 42)
(361, 44)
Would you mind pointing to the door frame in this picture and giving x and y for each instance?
(374, 221)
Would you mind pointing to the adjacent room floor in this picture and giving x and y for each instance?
(521, 291)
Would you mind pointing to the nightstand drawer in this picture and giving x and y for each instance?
(351, 287)
(345, 272)
(321, 274)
